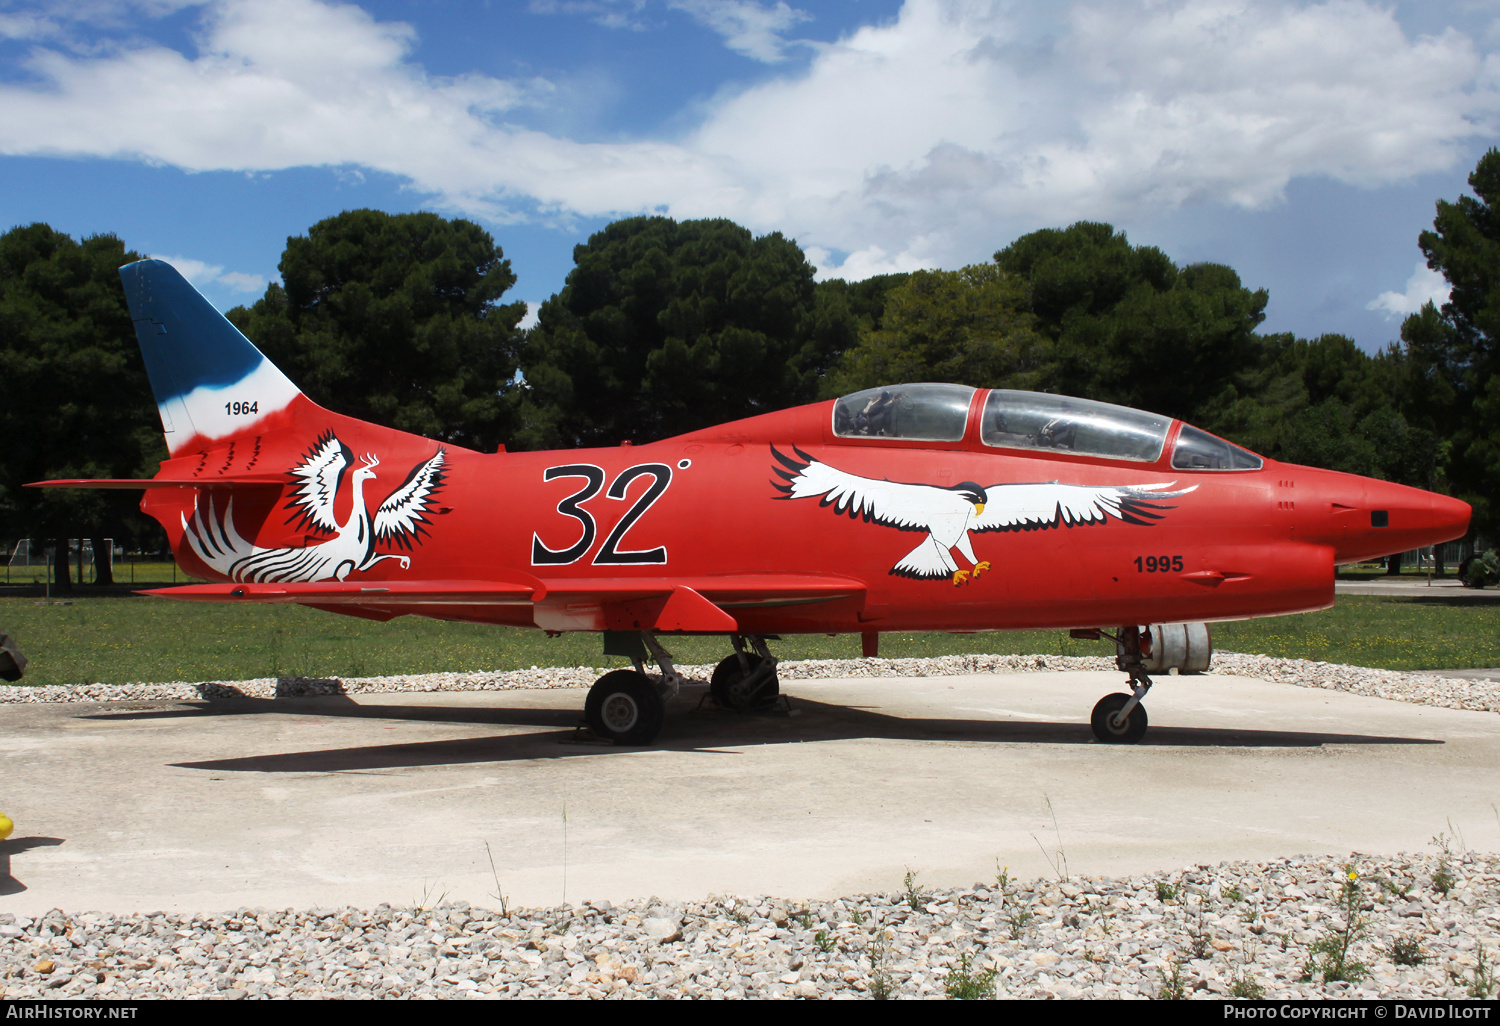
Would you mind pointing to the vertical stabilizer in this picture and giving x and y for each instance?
(210, 381)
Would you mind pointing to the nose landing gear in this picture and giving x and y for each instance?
(1119, 718)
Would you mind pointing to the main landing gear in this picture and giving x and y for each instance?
(1120, 718)
(629, 707)
(746, 680)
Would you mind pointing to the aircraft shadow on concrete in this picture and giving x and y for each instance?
(690, 730)
(16, 846)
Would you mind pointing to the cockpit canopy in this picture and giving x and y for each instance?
(1033, 420)
(918, 413)
(1011, 419)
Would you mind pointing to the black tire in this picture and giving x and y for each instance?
(1132, 731)
(726, 685)
(625, 707)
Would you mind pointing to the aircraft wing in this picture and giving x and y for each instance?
(695, 604)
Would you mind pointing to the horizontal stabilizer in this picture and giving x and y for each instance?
(127, 483)
(337, 593)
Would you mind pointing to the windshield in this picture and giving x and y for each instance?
(923, 412)
(1033, 420)
(1199, 450)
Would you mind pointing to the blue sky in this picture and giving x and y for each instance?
(1304, 144)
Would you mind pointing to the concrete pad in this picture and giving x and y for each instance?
(1446, 589)
(194, 806)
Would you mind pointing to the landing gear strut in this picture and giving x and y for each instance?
(1120, 718)
(629, 707)
(746, 680)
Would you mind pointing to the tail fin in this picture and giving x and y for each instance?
(210, 381)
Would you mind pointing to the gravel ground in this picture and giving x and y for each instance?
(1409, 926)
(1423, 688)
(1413, 926)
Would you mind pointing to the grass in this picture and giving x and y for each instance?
(117, 640)
(128, 570)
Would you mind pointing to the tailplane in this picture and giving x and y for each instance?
(210, 381)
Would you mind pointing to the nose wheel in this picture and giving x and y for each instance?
(1112, 724)
(1121, 719)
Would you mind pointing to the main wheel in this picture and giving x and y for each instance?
(625, 707)
(1105, 729)
(728, 684)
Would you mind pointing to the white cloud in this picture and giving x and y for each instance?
(529, 321)
(609, 13)
(27, 26)
(749, 28)
(926, 141)
(200, 273)
(1424, 286)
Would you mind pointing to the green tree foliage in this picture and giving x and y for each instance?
(1326, 403)
(395, 318)
(1455, 351)
(1128, 325)
(665, 327)
(968, 326)
(76, 400)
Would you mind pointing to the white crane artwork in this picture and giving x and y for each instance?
(351, 548)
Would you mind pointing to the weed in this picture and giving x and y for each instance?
(1166, 891)
(1019, 920)
(1252, 915)
(1482, 986)
(1331, 954)
(1002, 878)
(824, 942)
(881, 984)
(1233, 894)
(1200, 934)
(1408, 951)
(499, 894)
(966, 985)
(1246, 987)
(914, 894)
(858, 918)
(739, 916)
(427, 903)
(1443, 880)
(805, 920)
(1057, 860)
(1173, 986)
(1394, 889)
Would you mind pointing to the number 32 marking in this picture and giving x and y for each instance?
(572, 506)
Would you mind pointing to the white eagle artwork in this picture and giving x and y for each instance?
(351, 546)
(948, 514)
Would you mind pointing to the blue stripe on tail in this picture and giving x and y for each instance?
(187, 343)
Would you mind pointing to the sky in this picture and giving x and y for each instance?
(1303, 144)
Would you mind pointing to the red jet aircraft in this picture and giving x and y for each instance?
(920, 507)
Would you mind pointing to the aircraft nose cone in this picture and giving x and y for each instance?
(1370, 518)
